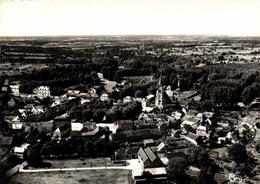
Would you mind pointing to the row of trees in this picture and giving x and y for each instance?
(88, 148)
(58, 78)
(105, 112)
(228, 86)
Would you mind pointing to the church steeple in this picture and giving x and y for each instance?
(159, 94)
(160, 80)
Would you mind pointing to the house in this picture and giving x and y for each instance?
(17, 127)
(145, 116)
(34, 135)
(35, 110)
(163, 125)
(19, 151)
(6, 141)
(148, 142)
(254, 105)
(73, 92)
(60, 121)
(148, 158)
(136, 135)
(62, 132)
(6, 82)
(104, 97)
(201, 131)
(15, 89)
(169, 92)
(128, 99)
(38, 109)
(11, 119)
(93, 93)
(193, 138)
(124, 125)
(208, 114)
(87, 129)
(161, 147)
(148, 103)
(145, 124)
(177, 115)
(84, 100)
(11, 102)
(191, 122)
(4, 89)
(138, 100)
(42, 92)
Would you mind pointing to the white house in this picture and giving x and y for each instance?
(128, 99)
(104, 97)
(42, 91)
(201, 130)
(15, 90)
(20, 150)
(17, 126)
(169, 92)
(93, 93)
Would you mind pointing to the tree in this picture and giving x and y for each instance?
(98, 115)
(139, 94)
(206, 176)
(33, 155)
(114, 95)
(257, 146)
(176, 170)
(250, 93)
(237, 152)
(203, 159)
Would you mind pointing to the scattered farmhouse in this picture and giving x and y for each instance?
(42, 92)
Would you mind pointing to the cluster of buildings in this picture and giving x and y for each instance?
(151, 140)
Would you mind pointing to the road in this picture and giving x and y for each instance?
(21, 170)
(132, 165)
(109, 85)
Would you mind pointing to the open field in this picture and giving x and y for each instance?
(11, 69)
(70, 163)
(75, 177)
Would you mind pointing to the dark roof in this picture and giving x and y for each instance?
(150, 154)
(148, 141)
(132, 135)
(145, 123)
(144, 157)
(64, 127)
(6, 141)
(85, 132)
(125, 124)
(61, 118)
(192, 136)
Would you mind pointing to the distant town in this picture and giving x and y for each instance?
(130, 110)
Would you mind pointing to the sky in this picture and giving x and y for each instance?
(129, 17)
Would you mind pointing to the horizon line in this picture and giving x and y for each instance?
(127, 35)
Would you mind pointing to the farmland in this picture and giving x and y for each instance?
(75, 177)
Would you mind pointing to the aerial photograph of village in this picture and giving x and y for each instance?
(128, 108)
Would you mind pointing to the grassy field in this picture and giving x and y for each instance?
(11, 69)
(75, 177)
(87, 162)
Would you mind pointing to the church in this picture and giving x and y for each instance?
(164, 96)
